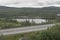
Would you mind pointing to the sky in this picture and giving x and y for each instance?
(29, 3)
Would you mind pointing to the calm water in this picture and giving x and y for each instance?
(32, 20)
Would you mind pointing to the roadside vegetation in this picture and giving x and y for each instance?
(50, 14)
(49, 34)
(9, 23)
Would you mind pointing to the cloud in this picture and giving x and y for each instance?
(27, 3)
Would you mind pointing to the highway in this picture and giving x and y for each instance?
(24, 29)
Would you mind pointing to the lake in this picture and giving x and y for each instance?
(37, 21)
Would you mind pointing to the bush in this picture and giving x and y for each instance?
(49, 34)
(26, 23)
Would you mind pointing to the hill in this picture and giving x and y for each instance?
(30, 12)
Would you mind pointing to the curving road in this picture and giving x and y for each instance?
(25, 29)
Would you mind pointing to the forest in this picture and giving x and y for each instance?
(46, 12)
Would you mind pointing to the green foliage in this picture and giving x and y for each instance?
(50, 34)
(9, 23)
(47, 12)
(26, 23)
(10, 37)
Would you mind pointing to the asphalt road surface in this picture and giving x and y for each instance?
(24, 29)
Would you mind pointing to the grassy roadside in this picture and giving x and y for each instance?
(49, 34)
(9, 23)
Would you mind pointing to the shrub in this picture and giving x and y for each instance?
(49, 34)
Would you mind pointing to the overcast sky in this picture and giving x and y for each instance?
(20, 3)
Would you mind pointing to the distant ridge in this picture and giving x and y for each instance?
(28, 11)
(29, 8)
